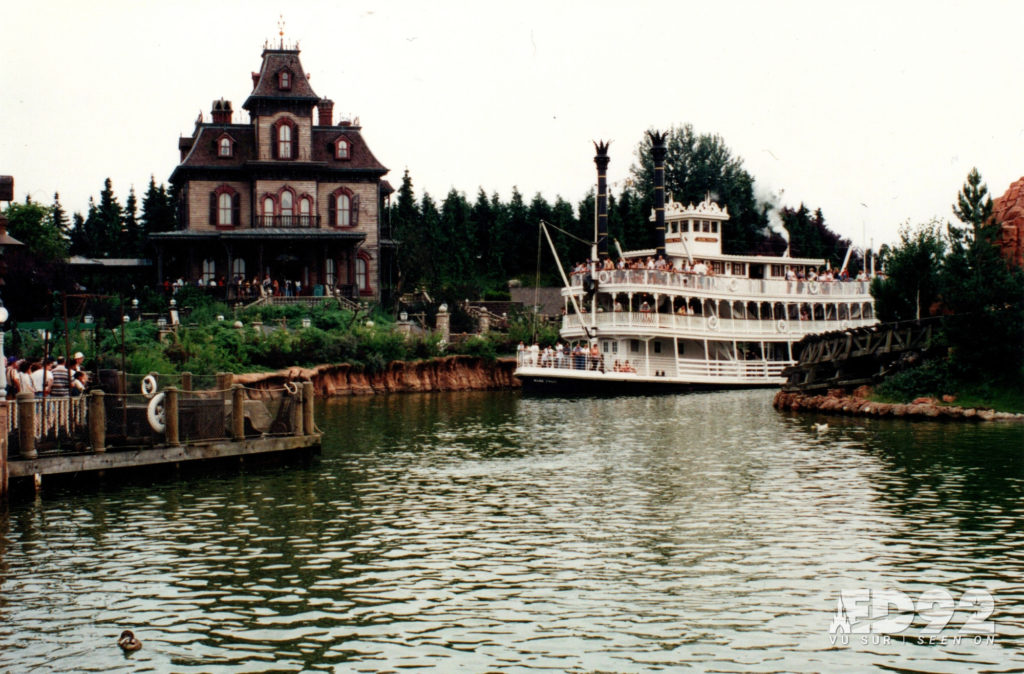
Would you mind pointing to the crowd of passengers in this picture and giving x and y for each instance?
(705, 268)
(578, 357)
(47, 377)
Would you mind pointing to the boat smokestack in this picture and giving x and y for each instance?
(601, 159)
(658, 151)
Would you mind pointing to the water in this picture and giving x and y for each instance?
(491, 532)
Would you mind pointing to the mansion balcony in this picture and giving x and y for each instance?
(286, 222)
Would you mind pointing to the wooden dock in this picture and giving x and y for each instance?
(170, 427)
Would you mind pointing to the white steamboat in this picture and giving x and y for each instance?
(699, 319)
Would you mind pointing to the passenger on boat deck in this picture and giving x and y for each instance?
(811, 275)
(645, 307)
(595, 357)
(621, 264)
(618, 306)
(660, 263)
(790, 274)
(862, 276)
(700, 268)
(682, 310)
(608, 264)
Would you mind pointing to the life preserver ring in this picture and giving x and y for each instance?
(733, 285)
(155, 413)
(782, 326)
(149, 386)
(712, 322)
(603, 277)
(813, 288)
(291, 387)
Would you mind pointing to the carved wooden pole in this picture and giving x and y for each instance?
(171, 416)
(97, 422)
(238, 412)
(27, 425)
(309, 427)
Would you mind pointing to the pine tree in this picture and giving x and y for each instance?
(157, 210)
(132, 237)
(59, 217)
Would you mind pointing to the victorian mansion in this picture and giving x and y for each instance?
(285, 194)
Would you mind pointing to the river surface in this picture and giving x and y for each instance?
(492, 532)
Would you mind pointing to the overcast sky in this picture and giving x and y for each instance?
(873, 111)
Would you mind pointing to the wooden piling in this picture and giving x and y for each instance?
(238, 412)
(296, 416)
(97, 422)
(308, 426)
(27, 425)
(171, 416)
(186, 381)
(4, 411)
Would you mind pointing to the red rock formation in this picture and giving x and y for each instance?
(451, 373)
(1008, 211)
(837, 402)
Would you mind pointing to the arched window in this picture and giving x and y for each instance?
(286, 209)
(225, 207)
(343, 209)
(341, 149)
(363, 274)
(209, 270)
(284, 80)
(305, 212)
(224, 147)
(330, 272)
(238, 267)
(267, 219)
(284, 141)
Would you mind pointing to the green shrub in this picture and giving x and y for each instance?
(931, 378)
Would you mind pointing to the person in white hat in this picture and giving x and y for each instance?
(76, 363)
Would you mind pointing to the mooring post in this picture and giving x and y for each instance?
(186, 381)
(97, 422)
(27, 425)
(238, 412)
(171, 416)
(224, 380)
(297, 411)
(4, 411)
(308, 426)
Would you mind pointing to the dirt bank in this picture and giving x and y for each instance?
(839, 401)
(451, 373)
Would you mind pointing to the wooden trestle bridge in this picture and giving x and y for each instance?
(850, 358)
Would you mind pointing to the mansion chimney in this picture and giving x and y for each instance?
(326, 112)
(658, 151)
(221, 112)
(601, 159)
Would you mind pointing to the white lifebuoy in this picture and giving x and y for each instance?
(155, 413)
(733, 285)
(712, 322)
(603, 277)
(781, 326)
(291, 387)
(149, 386)
(813, 288)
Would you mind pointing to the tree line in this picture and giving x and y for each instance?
(471, 248)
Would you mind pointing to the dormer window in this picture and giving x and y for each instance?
(284, 80)
(224, 147)
(341, 150)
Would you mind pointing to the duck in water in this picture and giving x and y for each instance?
(128, 642)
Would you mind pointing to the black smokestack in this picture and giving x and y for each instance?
(658, 151)
(601, 159)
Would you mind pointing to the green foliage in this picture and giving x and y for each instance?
(34, 225)
(482, 347)
(911, 282)
(983, 292)
(931, 378)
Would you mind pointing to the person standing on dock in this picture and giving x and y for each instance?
(61, 380)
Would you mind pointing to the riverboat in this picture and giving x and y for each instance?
(686, 315)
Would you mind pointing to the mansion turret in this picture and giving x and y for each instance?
(288, 193)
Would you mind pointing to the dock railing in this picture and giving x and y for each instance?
(172, 416)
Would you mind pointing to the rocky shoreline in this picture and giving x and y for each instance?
(857, 403)
(450, 373)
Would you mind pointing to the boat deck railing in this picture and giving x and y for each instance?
(753, 371)
(627, 278)
(649, 320)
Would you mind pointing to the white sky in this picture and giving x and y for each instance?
(874, 111)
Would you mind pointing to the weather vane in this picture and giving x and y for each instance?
(280, 29)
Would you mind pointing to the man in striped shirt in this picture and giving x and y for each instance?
(61, 386)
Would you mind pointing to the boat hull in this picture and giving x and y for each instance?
(538, 381)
